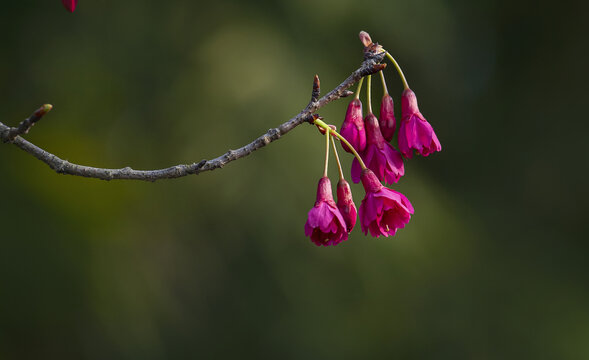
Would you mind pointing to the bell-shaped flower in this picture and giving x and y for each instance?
(346, 205)
(379, 156)
(383, 210)
(415, 133)
(325, 224)
(387, 117)
(353, 127)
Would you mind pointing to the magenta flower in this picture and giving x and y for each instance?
(70, 5)
(383, 210)
(346, 205)
(387, 117)
(353, 127)
(325, 224)
(379, 156)
(415, 133)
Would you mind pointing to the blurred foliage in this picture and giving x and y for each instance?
(492, 265)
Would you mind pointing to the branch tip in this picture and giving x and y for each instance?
(365, 38)
(43, 110)
(316, 89)
(23, 128)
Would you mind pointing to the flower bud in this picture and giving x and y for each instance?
(346, 205)
(365, 38)
(353, 127)
(387, 117)
(379, 156)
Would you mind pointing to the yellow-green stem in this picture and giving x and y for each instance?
(339, 165)
(326, 153)
(359, 88)
(398, 70)
(369, 92)
(384, 83)
(336, 134)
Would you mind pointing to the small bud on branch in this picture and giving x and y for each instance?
(365, 38)
(27, 124)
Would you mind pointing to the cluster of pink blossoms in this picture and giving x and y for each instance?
(368, 138)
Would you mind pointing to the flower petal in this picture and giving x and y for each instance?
(70, 5)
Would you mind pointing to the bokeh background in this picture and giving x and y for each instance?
(493, 265)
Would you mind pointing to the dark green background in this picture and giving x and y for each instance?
(493, 265)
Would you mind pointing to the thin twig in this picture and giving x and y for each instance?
(370, 65)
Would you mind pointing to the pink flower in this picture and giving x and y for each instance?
(353, 127)
(415, 133)
(325, 224)
(70, 5)
(379, 156)
(383, 210)
(346, 205)
(387, 117)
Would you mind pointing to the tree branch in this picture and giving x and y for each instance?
(370, 65)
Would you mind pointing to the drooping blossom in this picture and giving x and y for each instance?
(383, 210)
(415, 133)
(346, 205)
(70, 5)
(353, 127)
(387, 117)
(325, 224)
(379, 156)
